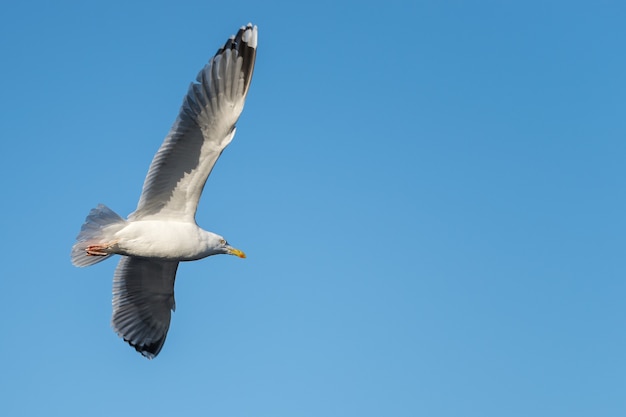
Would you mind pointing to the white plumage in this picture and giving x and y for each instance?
(162, 231)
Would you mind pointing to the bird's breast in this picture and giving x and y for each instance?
(166, 240)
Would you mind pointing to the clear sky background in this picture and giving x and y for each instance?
(431, 195)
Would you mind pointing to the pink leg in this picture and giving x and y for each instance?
(99, 250)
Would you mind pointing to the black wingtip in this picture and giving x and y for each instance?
(148, 350)
(245, 43)
(246, 36)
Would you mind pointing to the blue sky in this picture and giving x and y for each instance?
(430, 195)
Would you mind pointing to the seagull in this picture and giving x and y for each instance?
(162, 231)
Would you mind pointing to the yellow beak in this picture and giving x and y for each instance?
(236, 252)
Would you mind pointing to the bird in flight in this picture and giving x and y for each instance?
(162, 231)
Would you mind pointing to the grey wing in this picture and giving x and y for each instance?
(204, 127)
(143, 299)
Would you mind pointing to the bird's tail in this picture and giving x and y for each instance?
(99, 227)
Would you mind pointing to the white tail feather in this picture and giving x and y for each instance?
(99, 227)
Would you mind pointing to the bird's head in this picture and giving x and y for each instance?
(220, 246)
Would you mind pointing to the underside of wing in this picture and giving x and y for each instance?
(204, 127)
(143, 299)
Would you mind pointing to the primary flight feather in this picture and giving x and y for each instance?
(162, 231)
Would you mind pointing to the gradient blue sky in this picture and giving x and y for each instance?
(431, 195)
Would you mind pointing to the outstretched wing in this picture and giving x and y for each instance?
(143, 299)
(204, 127)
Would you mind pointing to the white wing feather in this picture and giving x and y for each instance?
(204, 127)
(143, 298)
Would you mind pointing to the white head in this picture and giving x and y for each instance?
(216, 245)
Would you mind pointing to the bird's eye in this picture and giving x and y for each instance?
(222, 241)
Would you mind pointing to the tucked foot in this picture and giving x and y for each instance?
(98, 250)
